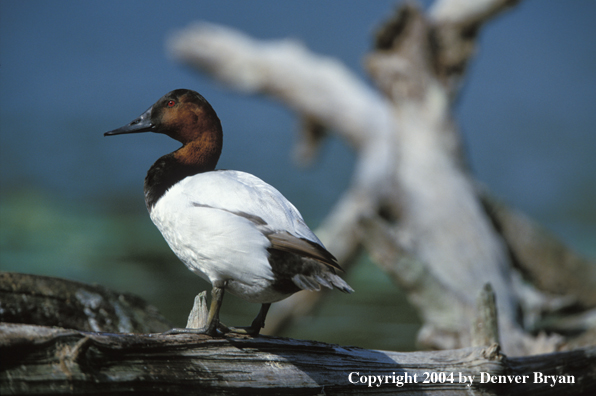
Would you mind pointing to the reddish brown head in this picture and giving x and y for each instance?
(186, 116)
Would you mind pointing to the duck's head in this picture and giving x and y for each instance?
(186, 116)
(181, 114)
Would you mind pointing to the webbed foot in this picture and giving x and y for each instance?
(255, 328)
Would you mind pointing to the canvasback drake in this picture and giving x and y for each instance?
(229, 227)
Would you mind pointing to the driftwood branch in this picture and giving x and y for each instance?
(38, 357)
(413, 204)
(486, 325)
(63, 303)
(44, 360)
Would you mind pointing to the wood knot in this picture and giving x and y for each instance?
(493, 352)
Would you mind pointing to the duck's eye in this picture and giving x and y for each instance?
(171, 103)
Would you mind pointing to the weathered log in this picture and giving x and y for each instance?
(41, 359)
(50, 301)
(45, 360)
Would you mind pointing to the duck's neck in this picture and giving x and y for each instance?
(198, 156)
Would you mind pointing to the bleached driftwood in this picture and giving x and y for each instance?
(38, 357)
(46, 360)
(412, 203)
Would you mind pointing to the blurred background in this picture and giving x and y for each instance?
(71, 201)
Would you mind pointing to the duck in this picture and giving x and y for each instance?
(228, 227)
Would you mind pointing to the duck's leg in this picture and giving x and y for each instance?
(257, 324)
(217, 294)
(259, 321)
(213, 324)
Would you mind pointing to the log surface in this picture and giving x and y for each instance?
(50, 360)
(50, 301)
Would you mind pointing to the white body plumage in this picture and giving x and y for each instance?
(216, 223)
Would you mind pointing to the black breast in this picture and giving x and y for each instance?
(162, 175)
